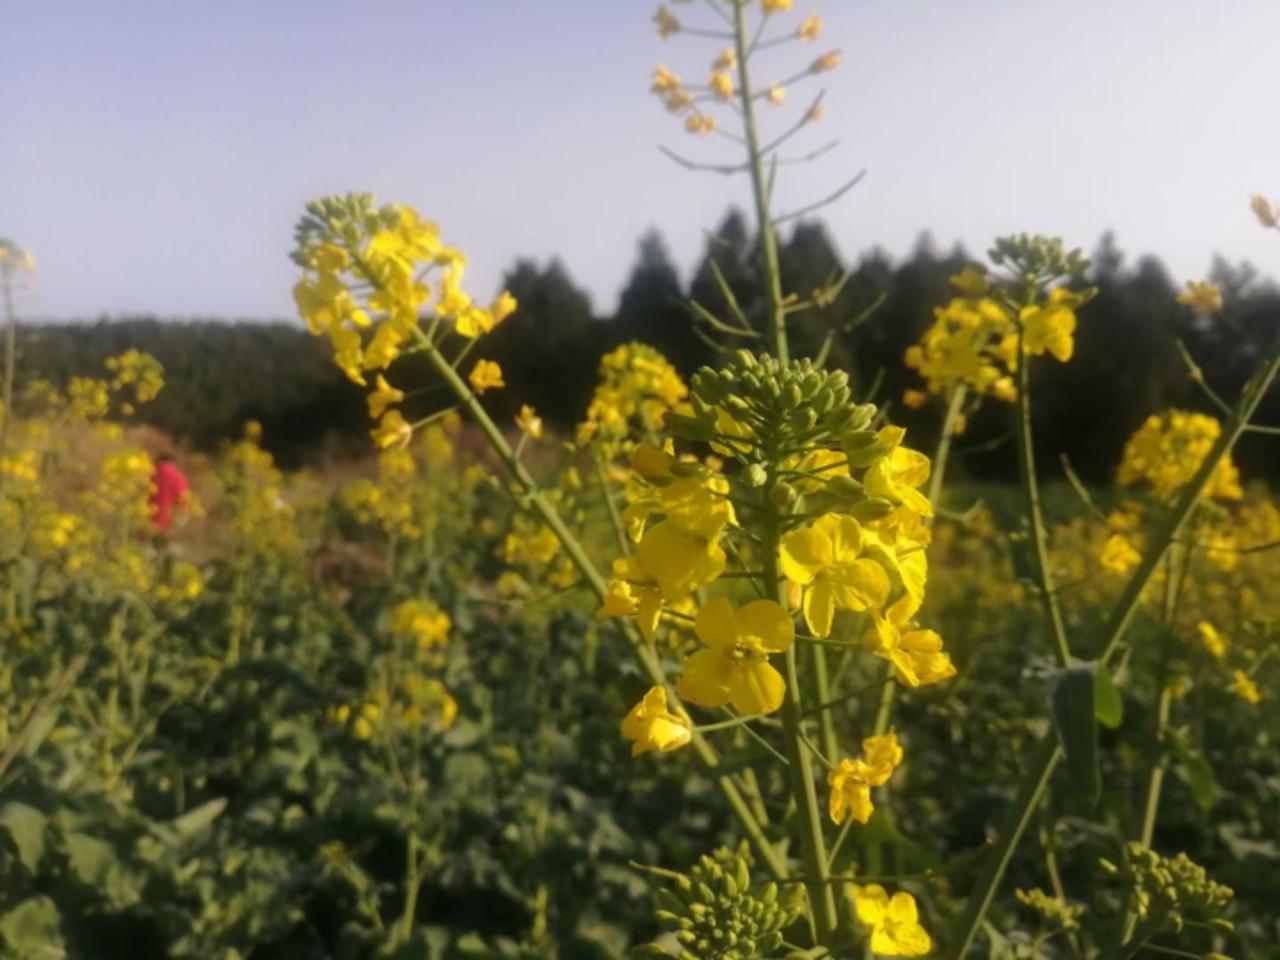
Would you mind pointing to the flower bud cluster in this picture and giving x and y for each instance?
(716, 913)
(1167, 891)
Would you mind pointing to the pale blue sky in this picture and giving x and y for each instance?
(155, 155)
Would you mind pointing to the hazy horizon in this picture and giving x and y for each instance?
(156, 156)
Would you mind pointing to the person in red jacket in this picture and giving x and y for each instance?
(169, 489)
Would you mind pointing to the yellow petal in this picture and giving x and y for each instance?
(861, 584)
(819, 608)
(768, 623)
(803, 553)
(845, 534)
(756, 688)
(704, 680)
(716, 625)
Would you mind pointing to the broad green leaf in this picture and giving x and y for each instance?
(1197, 773)
(1108, 705)
(200, 819)
(32, 930)
(25, 826)
(1075, 720)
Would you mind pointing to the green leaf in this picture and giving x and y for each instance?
(1108, 705)
(1197, 773)
(197, 821)
(1075, 720)
(25, 826)
(32, 930)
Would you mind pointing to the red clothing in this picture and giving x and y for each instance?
(169, 488)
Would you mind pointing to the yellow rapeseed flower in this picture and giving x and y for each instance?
(653, 727)
(777, 95)
(1118, 555)
(826, 62)
(826, 559)
(810, 28)
(894, 921)
(528, 421)
(666, 21)
(895, 476)
(722, 85)
(392, 431)
(775, 6)
(1050, 327)
(851, 781)
(1203, 297)
(1267, 213)
(383, 396)
(1213, 641)
(917, 655)
(1242, 686)
(734, 668)
(503, 307)
(486, 375)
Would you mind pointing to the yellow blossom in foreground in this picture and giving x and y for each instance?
(486, 375)
(392, 430)
(851, 781)
(653, 727)
(1118, 555)
(383, 396)
(1242, 686)
(1203, 297)
(528, 421)
(810, 28)
(734, 668)
(894, 922)
(917, 655)
(824, 558)
(896, 475)
(1213, 641)
(503, 307)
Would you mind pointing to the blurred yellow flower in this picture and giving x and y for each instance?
(722, 85)
(1242, 686)
(666, 21)
(1213, 641)
(826, 62)
(383, 396)
(392, 431)
(528, 421)
(775, 6)
(1267, 213)
(486, 375)
(1203, 297)
(810, 28)
(1118, 555)
(777, 95)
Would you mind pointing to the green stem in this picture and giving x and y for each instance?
(10, 352)
(1048, 755)
(650, 663)
(1035, 514)
(771, 271)
(822, 903)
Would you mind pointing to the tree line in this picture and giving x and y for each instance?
(1127, 365)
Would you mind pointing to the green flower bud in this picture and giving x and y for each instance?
(783, 494)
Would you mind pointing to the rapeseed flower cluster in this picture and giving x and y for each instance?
(695, 103)
(346, 246)
(1167, 450)
(974, 339)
